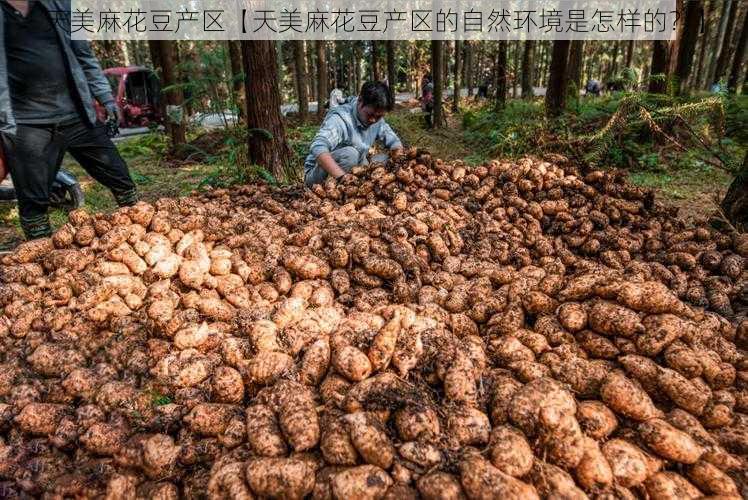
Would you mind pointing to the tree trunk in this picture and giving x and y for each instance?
(613, 68)
(515, 68)
(375, 60)
(267, 135)
(688, 34)
(555, 95)
(738, 58)
(311, 69)
(167, 55)
(708, 17)
(436, 67)
(501, 74)
(658, 73)
(469, 63)
(279, 64)
(125, 52)
(458, 71)
(576, 61)
(301, 79)
(321, 77)
(237, 73)
(735, 203)
(723, 60)
(630, 53)
(527, 69)
(391, 65)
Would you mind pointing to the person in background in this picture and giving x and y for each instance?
(592, 88)
(427, 99)
(347, 133)
(48, 83)
(336, 98)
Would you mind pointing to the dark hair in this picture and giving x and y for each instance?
(376, 95)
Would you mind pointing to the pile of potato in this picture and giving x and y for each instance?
(421, 330)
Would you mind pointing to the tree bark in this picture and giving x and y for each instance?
(576, 61)
(301, 79)
(375, 60)
(613, 68)
(527, 69)
(501, 72)
(515, 69)
(738, 58)
(555, 95)
(688, 34)
(658, 73)
(167, 55)
(729, 15)
(469, 66)
(237, 73)
(311, 71)
(267, 135)
(458, 71)
(702, 63)
(391, 65)
(630, 53)
(436, 67)
(321, 77)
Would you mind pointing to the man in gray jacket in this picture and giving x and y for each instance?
(347, 133)
(47, 86)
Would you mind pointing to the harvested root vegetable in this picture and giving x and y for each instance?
(426, 329)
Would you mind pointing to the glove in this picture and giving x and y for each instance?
(112, 119)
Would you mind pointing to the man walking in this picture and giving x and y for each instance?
(349, 130)
(47, 86)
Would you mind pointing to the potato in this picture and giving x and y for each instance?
(608, 318)
(509, 451)
(481, 480)
(365, 482)
(351, 363)
(40, 419)
(593, 471)
(267, 367)
(596, 420)
(263, 432)
(468, 425)
(711, 480)
(370, 440)
(669, 485)
(546, 395)
(661, 331)
(228, 386)
(335, 442)
(625, 397)
(280, 477)
(572, 316)
(440, 486)
(211, 419)
(417, 422)
(669, 442)
(683, 392)
(228, 483)
(628, 462)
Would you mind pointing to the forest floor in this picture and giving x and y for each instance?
(682, 178)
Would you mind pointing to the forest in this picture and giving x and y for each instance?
(543, 295)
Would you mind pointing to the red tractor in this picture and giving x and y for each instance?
(137, 91)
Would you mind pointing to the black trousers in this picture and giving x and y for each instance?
(34, 155)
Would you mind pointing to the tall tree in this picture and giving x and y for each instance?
(576, 61)
(175, 121)
(723, 60)
(738, 61)
(515, 68)
(311, 69)
(237, 74)
(267, 135)
(469, 67)
(391, 65)
(437, 60)
(658, 72)
(630, 53)
(302, 94)
(501, 74)
(555, 95)
(457, 82)
(375, 74)
(613, 67)
(527, 69)
(322, 77)
(707, 28)
(688, 33)
(735, 203)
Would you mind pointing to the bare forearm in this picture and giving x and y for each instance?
(329, 165)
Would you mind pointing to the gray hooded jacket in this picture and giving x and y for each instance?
(89, 80)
